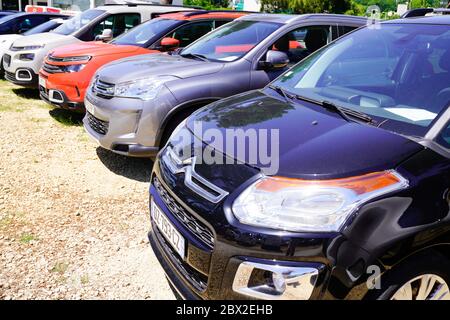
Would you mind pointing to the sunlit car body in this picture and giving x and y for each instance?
(24, 59)
(133, 104)
(7, 39)
(66, 88)
(359, 204)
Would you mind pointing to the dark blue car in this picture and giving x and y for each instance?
(23, 21)
(354, 202)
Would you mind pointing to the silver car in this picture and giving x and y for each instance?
(135, 103)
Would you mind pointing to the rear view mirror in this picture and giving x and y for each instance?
(106, 35)
(169, 44)
(274, 60)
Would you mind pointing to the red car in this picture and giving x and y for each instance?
(67, 71)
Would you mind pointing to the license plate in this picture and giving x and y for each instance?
(43, 82)
(167, 229)
(89, 106)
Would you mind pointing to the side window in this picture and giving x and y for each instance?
(190, 32)
(30, 22)
(300, 43)
(444, 137)
(345, 29)
(219, 23)
(118, 23)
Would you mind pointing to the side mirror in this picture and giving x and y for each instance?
(169, 44)
(106, 35)
(275, 60)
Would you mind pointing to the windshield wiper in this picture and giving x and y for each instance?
(194, 55)
(287, 95)
(345, 113)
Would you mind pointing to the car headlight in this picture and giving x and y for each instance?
(145, 89)
(311, 205)
(74, 68)
(32, 47)
(75, 58)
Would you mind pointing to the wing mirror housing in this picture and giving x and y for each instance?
(275, 60)
(169, 44)
(106, 35)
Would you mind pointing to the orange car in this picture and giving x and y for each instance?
(67, 71)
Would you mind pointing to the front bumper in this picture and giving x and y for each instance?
(22, 72)
(125, 126)
(57, 97)
(210, 273)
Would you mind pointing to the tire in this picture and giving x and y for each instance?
(421, 265)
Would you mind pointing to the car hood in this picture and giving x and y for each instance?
(313, 143)
(155, 65)
(42, 39)
(93, 48)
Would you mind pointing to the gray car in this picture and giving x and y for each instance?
(133, 104)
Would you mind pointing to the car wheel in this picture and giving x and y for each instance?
(425, 276)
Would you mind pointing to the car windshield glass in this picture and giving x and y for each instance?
(45, 27)
(7, 18)
(232, 41)
(147, 33)
(78, 22)
(398, 74)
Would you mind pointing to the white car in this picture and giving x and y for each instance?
(25, 57)
(6, 40)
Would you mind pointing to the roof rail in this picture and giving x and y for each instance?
(197, 12)
(145, 3)
(421, 12)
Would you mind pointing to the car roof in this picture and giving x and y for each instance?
(438, 19)
(53, 14)
(291, 18)
(202, 14)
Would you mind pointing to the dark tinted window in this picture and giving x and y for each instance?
(192, 31)
(147, 33)
(301, 42)
(29, 22)
(118, 23)
(345, 29)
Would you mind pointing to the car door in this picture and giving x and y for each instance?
(118, 23)
(297, 43)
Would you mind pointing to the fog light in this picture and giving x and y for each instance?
(269, 280)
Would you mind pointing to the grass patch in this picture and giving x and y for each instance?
(6, 221)
(60, 267)
(17, 99)
(26, 238)
(66, 117)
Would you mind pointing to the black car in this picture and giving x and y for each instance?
(357, 205)
(22, 22)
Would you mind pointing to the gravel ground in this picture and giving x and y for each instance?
(73, 217)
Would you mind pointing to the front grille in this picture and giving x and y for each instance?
(103, 89)
(197, 279)
(50, 68)
(99, 126)
(7, 60)
(197, 228)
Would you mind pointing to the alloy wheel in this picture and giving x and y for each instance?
(424, 287)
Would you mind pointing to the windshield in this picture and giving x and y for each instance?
(45, 27)
(399, 74)
(7, 18)
(147, 33)
(232, 41)
(78, 22)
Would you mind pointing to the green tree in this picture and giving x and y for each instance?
(306, 6)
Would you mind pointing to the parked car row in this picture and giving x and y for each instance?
(354, 201)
